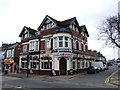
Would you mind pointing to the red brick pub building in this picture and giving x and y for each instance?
(58, 45)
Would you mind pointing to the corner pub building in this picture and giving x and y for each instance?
(58, 45)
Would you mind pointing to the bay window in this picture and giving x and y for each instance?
(55, 42)
(66, 41)
(61, 41)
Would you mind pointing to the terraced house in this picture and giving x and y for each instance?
(58, 45)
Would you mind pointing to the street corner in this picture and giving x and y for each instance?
(113, 80)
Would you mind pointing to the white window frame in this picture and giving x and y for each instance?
(48, 43)
(24, 48)
(80, 47)
(34, 45)
(12, 53)
(74, 44)
(45, 61)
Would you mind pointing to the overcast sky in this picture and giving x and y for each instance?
(15, 14)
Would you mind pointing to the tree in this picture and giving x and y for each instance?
(110, 31)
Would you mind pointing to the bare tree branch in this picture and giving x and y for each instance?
(110, 31)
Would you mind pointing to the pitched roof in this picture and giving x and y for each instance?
(65, 22)
(83, 26)
(30, 30)
(58, 23)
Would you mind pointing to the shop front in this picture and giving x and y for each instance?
(8, 64)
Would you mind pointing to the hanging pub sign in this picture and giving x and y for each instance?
(8, 61)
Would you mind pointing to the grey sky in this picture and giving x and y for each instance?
(14, 14)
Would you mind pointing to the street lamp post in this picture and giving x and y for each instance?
(28, 59)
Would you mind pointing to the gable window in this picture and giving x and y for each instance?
(25, 34)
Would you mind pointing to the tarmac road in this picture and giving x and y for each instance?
(80, 81)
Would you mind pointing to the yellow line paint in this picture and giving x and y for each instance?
(108, 79)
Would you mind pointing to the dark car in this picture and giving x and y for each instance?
(93, 70)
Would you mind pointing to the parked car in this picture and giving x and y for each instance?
(118, 64)
(99, 65)
(92, 69)
(105, 67)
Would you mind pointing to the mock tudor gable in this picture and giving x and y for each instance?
(47, 23)
(27, 32)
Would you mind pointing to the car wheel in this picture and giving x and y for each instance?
(94, 72)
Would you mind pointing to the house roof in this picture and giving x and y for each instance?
(13, 45)
(83, 26)
(58, 23)
(30, 30)
(65, 22)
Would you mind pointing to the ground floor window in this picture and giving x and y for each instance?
(73, 65)
(24, 64)
(86, 64)
(34, 65)
(83, 64)
(90, 64)
(46, 65)
(78, 65)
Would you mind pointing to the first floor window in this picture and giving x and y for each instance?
(55, 42)
(60, 44)
(66, 44)
(25, 48)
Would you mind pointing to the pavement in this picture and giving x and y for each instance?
(44, 77)
(114, 79)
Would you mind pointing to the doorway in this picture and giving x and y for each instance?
(63, 66)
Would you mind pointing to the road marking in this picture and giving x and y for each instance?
(107, 81)
(18, 87)
(71, 78)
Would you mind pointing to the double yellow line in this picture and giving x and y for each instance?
(107, 81)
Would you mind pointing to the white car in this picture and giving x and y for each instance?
(118, 64)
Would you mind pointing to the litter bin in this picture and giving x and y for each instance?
(6, 72)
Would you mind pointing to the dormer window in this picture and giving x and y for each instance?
(25, 34)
